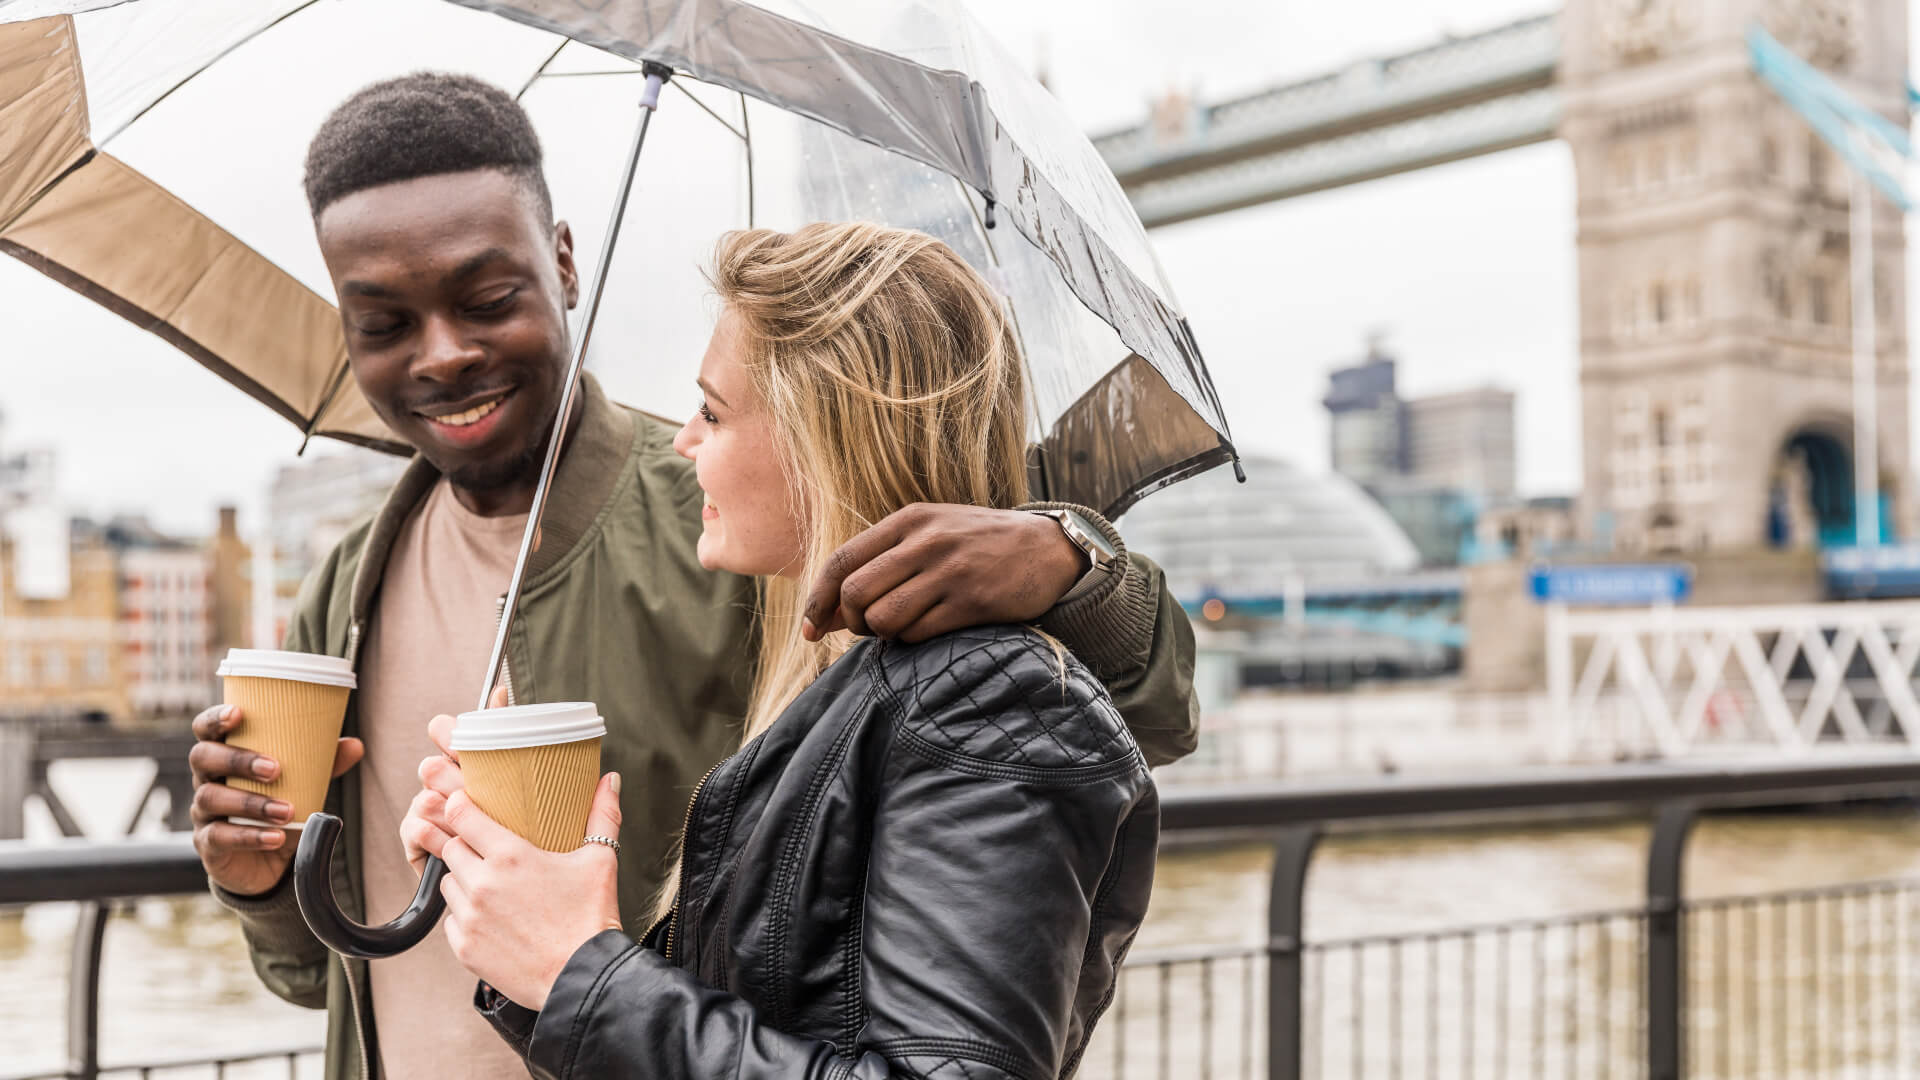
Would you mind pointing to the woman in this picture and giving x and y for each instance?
(926, 860)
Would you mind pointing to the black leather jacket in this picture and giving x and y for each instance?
(930, 866)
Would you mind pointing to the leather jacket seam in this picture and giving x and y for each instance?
(588, 1003)
(855, 1006)
(720, 883)
(788, 870)
(1102, 899)
(965, 1049)
(1070, 776)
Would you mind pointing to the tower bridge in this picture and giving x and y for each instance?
(1717, 391)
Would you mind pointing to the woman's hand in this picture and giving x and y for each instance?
(424, 831)
(516, 914)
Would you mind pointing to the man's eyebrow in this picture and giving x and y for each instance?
(478, 263)
(708, 390)
(467, 268)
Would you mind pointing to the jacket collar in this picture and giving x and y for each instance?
(588, 471)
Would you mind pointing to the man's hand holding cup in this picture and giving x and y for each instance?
(245, 799)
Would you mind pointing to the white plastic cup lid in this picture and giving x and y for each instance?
(296, 666)
(528, 725)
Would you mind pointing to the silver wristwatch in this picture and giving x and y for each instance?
(1085, 536)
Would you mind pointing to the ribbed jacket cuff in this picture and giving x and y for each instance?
(272, 919)
(1108, 623)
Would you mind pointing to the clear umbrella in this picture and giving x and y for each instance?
(150, 157)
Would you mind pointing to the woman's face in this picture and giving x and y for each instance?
(749, 524)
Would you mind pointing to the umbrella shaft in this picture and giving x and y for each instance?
(656, 75)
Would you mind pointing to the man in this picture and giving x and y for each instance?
(453, 281)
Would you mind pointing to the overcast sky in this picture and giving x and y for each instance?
(1469, 269)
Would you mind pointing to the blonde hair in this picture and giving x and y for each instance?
(890, 375)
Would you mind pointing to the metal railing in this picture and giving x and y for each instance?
(1647, 992)
(99, 876)
(1779, 985)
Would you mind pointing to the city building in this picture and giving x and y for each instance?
(1442, 522)
(26, 475)
(1434, 463)
(1462, 442)
(166, 619)
(231, 560)
(112, 620)
(1294, 579)
(311, 505)
(1529, 529)
(1714, 250)
(1281, 528)
(1366, 421)
(62, 653)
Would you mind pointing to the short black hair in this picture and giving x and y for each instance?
(425, 124)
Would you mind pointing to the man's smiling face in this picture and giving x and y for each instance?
(453, 294)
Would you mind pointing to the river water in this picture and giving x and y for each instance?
(177, 983)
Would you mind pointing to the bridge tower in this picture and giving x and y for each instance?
(1715, 365)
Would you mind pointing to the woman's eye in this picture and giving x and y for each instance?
(707, 414)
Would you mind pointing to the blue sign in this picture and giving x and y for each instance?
(1624, 584)
(1872, 573)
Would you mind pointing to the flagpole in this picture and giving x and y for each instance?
(1866, 375)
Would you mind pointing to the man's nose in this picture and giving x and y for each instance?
(446, 353)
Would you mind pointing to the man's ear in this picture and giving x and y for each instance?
(563, 256)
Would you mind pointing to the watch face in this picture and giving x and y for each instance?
(1090, 539)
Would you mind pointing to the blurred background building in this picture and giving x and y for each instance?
(311, 505)
(1435, 464)
(110, 619)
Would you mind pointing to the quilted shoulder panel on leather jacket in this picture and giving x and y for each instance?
(930, 866)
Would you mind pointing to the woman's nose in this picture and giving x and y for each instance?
(684, 439)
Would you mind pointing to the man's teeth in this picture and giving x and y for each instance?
(468, 417)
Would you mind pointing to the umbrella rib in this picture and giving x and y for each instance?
(196, 72)
(333, 391)
(1013, 317)
(746, 135)
(708, 109)
(47, 189)
(542, 69)
(585, 74)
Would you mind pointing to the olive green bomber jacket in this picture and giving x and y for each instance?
(617, 610)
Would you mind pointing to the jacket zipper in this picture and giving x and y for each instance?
(679, 894)
(506, 669)
(353, 990)
(359, 1028)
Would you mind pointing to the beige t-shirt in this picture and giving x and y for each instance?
(426, 652)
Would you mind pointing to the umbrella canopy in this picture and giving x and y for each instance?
(150, 156)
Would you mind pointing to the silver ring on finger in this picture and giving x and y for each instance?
(606, 840)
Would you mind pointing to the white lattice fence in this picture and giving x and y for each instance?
(1678, 681)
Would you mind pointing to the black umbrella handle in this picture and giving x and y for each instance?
(313, 888)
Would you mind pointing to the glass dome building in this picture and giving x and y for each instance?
(1213, 535)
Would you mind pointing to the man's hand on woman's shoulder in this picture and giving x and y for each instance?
(931, 568)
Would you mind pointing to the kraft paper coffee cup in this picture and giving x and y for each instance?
(533, 768)
(292, 705)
